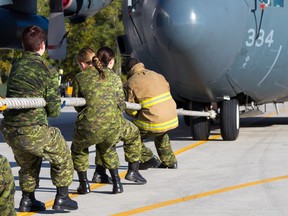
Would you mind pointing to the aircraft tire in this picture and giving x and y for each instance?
(187, 120)
(200, 128)
(229, 119)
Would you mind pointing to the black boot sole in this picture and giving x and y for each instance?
(30, 209)
(133, 179)
(102, 180)
(83, 192)
(62, 208)
(118, 191)
(152, 163)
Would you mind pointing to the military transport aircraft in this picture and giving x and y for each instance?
(225, 52)
(229, 52)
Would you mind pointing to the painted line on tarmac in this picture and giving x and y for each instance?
(179, 151)
(49, 204)
(197, 196)
(204, 194)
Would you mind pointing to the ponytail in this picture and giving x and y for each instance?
(98, 65)
(88, 56)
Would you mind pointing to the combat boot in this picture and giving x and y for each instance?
(29, 203)
(152, 163)
(172, 166)
(133, 173)
(84, 186)
(62, 200)
(100, 175)
(117, 185)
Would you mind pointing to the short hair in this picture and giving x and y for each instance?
(32, 37)
(129, 64)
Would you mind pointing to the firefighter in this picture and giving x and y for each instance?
(157, 116)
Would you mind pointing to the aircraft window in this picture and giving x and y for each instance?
(278, 3)
(267, 2)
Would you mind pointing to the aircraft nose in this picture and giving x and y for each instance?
(196, 42)
(178, 24)
(202, 36)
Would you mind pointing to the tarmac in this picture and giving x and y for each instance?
(246, 177)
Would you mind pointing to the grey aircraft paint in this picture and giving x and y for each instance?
(207, 49)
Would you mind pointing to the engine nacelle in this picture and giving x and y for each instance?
(15, 15)
(13, 24)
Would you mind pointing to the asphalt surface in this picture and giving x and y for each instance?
(215, 177)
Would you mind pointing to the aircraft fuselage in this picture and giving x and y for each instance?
(210, 50)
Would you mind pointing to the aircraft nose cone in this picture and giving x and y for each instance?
(178, 24)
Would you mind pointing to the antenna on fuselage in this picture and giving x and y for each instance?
(130, 10)
(262, 6)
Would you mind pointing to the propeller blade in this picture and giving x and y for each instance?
(57, 44)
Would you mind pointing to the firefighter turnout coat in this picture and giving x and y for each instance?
(152, 92)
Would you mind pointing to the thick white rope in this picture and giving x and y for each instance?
(24, 103)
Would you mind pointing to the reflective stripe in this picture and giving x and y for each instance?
(157, 126)
(131, 112)
(155, 100)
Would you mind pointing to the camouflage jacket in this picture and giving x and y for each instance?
(104, 98)
(7, 188)
(32, 77)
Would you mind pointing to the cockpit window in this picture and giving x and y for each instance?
(278, 3)
(275, 3)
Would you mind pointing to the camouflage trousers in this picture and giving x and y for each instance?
(7, 188)
(105, 141)
(30, 145)
(162, 145)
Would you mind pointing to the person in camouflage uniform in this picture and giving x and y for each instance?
(27, 131)
(7, 188)
(157, 116)
(101, 122)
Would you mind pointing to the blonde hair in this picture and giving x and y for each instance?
(88, 56)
